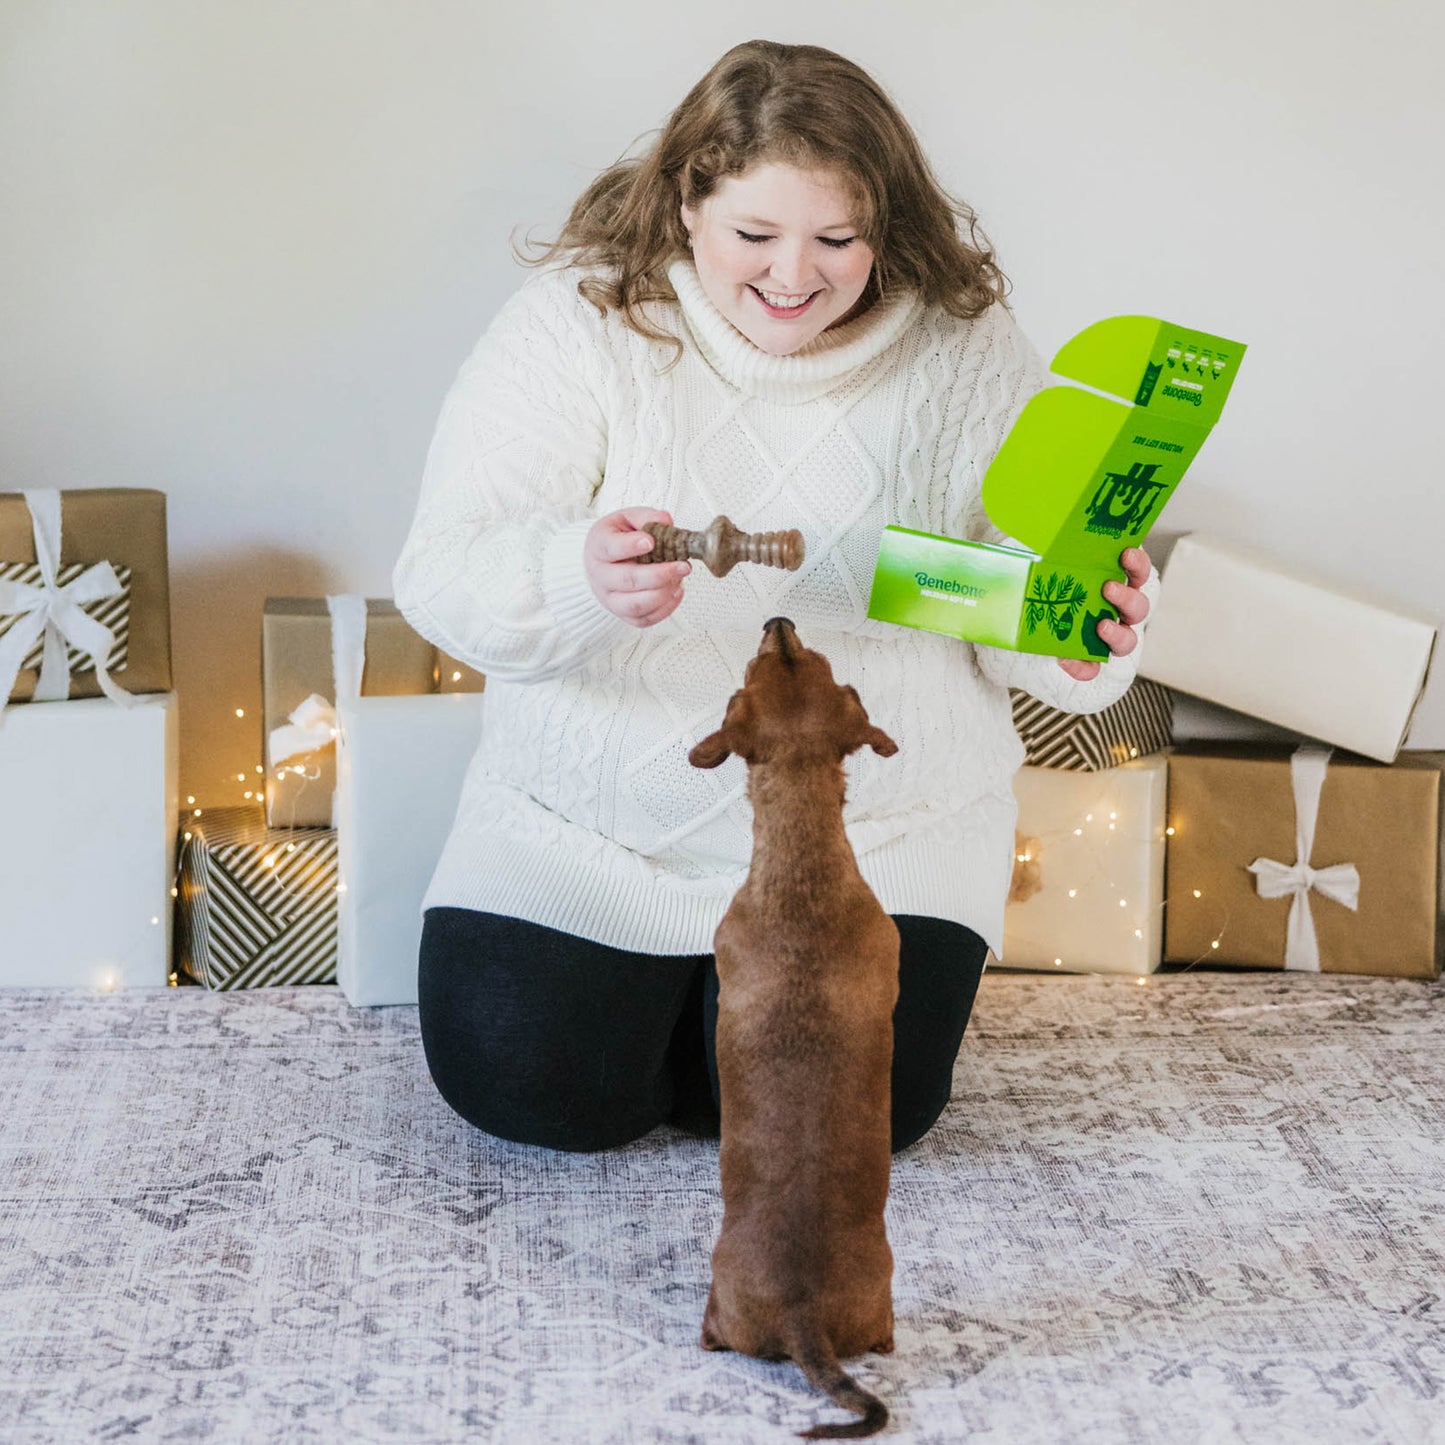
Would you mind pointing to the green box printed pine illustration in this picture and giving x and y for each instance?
(1079, 478)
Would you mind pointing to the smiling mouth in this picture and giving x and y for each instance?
(777, 304)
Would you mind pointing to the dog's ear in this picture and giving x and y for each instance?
(712, 751)
(873, 737)
(880, 742)
(718, 747)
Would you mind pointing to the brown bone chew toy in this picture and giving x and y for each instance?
(722, 545)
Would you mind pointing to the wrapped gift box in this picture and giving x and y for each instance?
(1371, 834)
(400, 769)
(452, 675)
(258, 905)
(124, 527)
(1235, 629)
(87, 854)
(1139, 724)
(298, 696)
(1089, 875)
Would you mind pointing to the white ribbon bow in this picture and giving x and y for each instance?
(314, 724)
(1340, 881)
(56, 612)
(310, 727)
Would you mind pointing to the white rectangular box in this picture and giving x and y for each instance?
(1233, 628)
(88, 811)
(1096, 851)
(400, 766)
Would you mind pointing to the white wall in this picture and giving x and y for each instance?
(244, 248)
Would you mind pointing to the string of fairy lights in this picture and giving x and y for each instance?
(253, 796)
(1109, 823)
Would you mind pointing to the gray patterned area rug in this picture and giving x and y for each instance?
(1211, 1208)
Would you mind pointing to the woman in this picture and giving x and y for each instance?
(776, 314)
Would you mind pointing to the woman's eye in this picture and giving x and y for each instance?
(832, 241)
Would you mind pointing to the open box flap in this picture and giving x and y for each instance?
(1168, 369)
(1081, 476)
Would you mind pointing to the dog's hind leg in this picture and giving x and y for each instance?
(711, 1339)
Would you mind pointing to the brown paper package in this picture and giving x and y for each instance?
(296, 662)
(455, 676)
(125, 526)
(1232, 803)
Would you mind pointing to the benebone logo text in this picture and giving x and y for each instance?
(947, 588)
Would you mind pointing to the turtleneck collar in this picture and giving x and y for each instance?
(802, 375)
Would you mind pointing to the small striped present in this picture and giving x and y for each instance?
(1140, 723)
(111, 612)
(258, 905)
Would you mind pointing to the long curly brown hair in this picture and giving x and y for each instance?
(796, 104)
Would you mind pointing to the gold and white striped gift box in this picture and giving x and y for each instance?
(1139, 724)
(111, 612)
(258, 905)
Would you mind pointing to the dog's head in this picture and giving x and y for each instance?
(789, 706)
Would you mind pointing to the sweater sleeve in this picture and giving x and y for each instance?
(492, 567)
(1008, 374)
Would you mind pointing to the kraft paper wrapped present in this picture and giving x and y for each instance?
(1089, 869)
(400, 766)
(258, 905)
(1235, 628)
(298, 696)
(1301, 858)
(84, 594)
(453, 675)
(1081, 475)
(1139, 724)
(88, 795)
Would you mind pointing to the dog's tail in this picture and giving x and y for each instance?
(815, 1357)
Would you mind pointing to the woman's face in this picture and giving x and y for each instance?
(778, 254)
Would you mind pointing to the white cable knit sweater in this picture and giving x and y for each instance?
(580, 810)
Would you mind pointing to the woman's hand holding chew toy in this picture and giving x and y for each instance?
(1133, 609)
(636, 559)
(615, 546)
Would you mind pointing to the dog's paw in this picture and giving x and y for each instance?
(886, 1348)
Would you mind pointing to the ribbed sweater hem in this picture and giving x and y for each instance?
(964, 880)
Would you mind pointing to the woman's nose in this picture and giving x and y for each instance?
(791, 268)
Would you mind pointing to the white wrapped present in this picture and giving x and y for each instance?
(1235, 629)
(87, 856)
(1091, 861)
(400, 764)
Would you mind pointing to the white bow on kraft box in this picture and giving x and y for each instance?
(84, 595)
(399, 769)
(1079, 478)
(298, 690)
(1303, 859)
(1274, 879)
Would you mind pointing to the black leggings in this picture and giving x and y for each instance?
(542, 1038)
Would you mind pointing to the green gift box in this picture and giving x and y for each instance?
(1080, 477)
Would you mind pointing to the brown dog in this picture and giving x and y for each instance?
(807, 961)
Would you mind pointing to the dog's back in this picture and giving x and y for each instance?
(808, 966)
